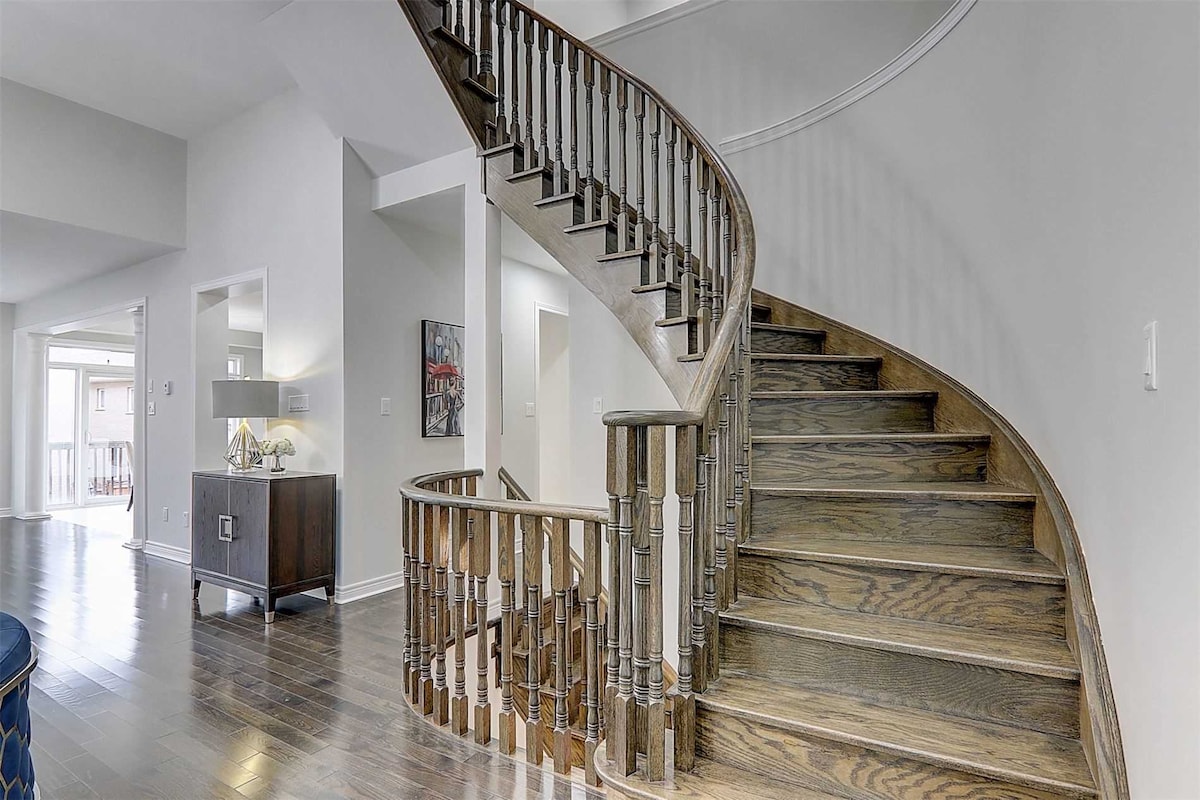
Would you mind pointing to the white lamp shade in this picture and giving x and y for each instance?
(238, 399)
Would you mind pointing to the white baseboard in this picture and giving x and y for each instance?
(31, 517)
(368, 588)
(5, 512)
(180, 554)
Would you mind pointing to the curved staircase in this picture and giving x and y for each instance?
(881, 593)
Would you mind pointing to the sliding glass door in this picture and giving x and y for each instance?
(90, 427)
(62, 421)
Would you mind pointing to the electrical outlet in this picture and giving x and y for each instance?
(150, 409)
(530, 409)
(597, 405)
(385, 406)
(187, 519)
(166, 387)
(166, 514)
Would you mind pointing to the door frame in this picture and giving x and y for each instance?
(538, 308)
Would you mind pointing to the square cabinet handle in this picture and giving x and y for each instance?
(225, 527)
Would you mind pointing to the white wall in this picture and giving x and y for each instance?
(588, 18)
(6, 405)
(523, 289)
(264, 191)
(1014, 209)
(396, 274)
(553, 407)
(70, 163)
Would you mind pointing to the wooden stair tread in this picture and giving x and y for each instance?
(852, 394)
(1016, 652)
(999, 751)
(1002, 562)
(917, 490)
(817, 358)
(709, 780)
(872, 437)
(771, 326)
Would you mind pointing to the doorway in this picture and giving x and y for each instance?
(553, 393)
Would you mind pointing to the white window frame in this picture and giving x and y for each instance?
(101, 399)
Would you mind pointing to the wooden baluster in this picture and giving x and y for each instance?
(624, 222)
(459, 717)
(642, 235)
(711, 606)
(590, 199)
(532, 526)
(699, 567)
(613, 666)
(703, 262)
(414, 608)
(672, 262)
(573, 69)
(472, 617)
(652, 612)
(641, 584)
(683, 713)
(485, 46)
(471, 35)
(622, 720)
(590, 587)
(501, 105)
(406, 563)
(427, 634)
(560, 583)
(689, 288)
(530, 141)
(441, 547)
(721, 475)
(514, 20)
(459, 30)
(544, 87)
(560, 167)
(481, 567)
(660, 268)
(606, 209)
(507, 574)
(718, 269)
(743, 496)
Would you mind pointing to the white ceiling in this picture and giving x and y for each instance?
(177, 67)
(37, 255)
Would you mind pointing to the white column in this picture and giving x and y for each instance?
(29, 426)
(481, 252)
(138, 540)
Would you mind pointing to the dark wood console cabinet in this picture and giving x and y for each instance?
(266, 535)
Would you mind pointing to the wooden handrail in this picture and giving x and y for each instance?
(414, 489)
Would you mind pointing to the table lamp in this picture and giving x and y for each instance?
(243, 400)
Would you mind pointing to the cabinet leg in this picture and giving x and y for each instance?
(195, 589)
(269, 609)
(329, 593)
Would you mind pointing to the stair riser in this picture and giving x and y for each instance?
(632, 271)
(869, 461)
(681, 338)
(665, 302)
(969, 601)
(837, 415)
(1037, 702)
(837, 767)
(563, 213)
(812, 376)
(505, 164)
(857, 519)
(766, 341)
(760, 313)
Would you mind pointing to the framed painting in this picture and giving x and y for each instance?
(442, 396)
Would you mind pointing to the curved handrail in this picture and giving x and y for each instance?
(738, 301)
(415, 489)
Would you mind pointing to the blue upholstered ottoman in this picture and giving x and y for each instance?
(18, 657)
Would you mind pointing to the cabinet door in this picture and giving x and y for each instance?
(248, 550)
(210, 499)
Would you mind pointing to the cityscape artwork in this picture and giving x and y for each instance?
(442, 393)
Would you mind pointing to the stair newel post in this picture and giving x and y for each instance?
(573, 69)
(560, 165)
(532, 546)
(459, 30)
(427, 632)
(656, 709)
(590, 586)
(501, 105)
(689, 288)
(657, 262)
(441, 559)
(560, 583)
(615, 578)
(622, 721)
(606, 209)
(486, 77)
(711, 543)
(683, 714)
(406, 563)
(641, 583)
(514, 20)
(590, 200)
(671, 267)
(544, 104)
(506, 567)
(703, 262)
(480, 557)
(459, 715)
(624, 219)
(530, 142)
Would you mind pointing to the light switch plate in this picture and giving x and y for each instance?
(187, 518)
(150, 408)
(385, 406)
(150, 387)
(597, 405)
(298, 402)
(166, 387)
(530, 409)
(1150, 356)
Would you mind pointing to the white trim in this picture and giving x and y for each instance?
(36, 517)
(876, 80)
(428, 177)
(5, 513)
(368, 588)
(644, 24)
(75, 322)
(170, 552)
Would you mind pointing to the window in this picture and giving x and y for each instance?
(129, 400)
(234, 368)
(93, 356)
(100, 399)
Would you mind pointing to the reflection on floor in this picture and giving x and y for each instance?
(110, 518)
(138, 695)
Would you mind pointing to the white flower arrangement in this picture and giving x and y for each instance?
(278, 447)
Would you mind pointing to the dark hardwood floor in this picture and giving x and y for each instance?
(140, 695)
